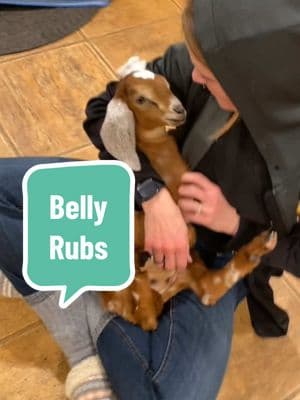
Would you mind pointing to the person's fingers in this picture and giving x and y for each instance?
(170, 260)
(197, 179)
(198, 219)
(158, 257)
(182, 259)
(190, 206)
(191, 191)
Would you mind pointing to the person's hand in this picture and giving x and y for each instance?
(166, 234)
(202, 202)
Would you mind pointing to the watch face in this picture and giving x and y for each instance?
(148, 188)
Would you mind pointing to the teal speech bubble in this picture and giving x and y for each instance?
(78, 227)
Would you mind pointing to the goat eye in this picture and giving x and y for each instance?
(141, 100)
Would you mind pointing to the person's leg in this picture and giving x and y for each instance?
(12, 171)
(185, 358)
(68, 326)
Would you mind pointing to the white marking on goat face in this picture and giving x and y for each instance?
(232, 276)
(145, 74)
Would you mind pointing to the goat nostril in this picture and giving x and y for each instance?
(179, 109)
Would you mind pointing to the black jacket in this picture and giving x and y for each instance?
(253, 48)
(236, 164)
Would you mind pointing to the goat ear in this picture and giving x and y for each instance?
(118, 133)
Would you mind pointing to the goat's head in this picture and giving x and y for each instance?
(143, 99)
(150, 99)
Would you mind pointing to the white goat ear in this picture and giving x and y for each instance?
(118, 133)
(134, 64)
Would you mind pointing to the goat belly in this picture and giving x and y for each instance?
(83, 249)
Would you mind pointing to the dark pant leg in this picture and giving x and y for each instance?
(185, 358)
(12, 171)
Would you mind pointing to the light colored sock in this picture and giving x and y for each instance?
(6, 288)
(88, 381)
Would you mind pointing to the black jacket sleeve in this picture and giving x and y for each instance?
(175, 65)
(247, 230)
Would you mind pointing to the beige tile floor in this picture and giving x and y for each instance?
(43, 94)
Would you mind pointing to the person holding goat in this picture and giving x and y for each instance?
(243, 182)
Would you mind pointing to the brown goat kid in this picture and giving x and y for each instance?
(137, 117)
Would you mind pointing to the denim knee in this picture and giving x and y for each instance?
(184, 358)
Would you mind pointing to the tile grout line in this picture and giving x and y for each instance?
(100, 57)
(41, 51)
(65, 153)
(22, 332)
(10, 143)
(128, 28)
(181, 7)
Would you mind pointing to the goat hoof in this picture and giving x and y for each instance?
(209, 289)
(272, 241)
(261, 245)
(208, 300)
(149, 324)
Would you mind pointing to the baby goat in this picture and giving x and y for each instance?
(136, 118)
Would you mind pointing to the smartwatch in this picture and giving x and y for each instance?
(147, 189)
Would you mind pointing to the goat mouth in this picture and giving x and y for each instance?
(175, 121)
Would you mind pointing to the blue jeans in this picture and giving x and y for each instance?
(184, 359)
(12, 171)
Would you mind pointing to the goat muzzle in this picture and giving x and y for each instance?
(176, 114)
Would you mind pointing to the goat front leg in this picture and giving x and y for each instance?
(120, 303)
(139, 236)
(148, 303)
(215, 283)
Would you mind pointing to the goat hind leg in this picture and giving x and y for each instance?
(215, 283)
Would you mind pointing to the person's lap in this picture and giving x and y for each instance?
(184, 358)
